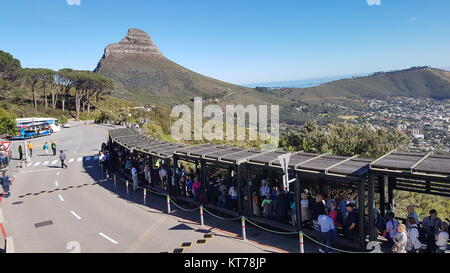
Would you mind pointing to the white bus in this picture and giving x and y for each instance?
(54, 124)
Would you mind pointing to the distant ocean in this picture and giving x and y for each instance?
(301, 83)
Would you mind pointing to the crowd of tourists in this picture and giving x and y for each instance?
(325, 215)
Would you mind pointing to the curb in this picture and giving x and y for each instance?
(9, 244)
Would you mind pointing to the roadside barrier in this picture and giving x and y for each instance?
(301, 243)
(243, 219)
(202, 221)
(244, 234)
(221, 218)
(184, 209)
(168, 204)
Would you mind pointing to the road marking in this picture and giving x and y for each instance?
(54, 162)
(45, 163)
(43, 170)
(108, 238)
(76, 215)
(29, 164)
(71, 160)
(9, 245)
(57, 173)
(37, 164)
(61, 198)
(79, 159)
(56, 183)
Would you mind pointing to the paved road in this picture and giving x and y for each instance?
(59, 210)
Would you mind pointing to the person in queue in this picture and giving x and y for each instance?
(442, 238)
(413, 244)
(400, 240)
(431, 225)
(351, 223)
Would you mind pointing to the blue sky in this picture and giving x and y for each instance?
(240, 41)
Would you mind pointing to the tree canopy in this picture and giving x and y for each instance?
(7, 123)
(9, 66)
(344, 139)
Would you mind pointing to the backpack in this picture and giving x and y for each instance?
(423, 238)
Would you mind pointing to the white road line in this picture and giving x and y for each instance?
(57, 173)
(71, 160)
(56, 183)
(54, 162)
(45, 163)
(79, 159)
(76, 215)
(37, 164)
(29, 164)
(107, 238)
(60, 197)
(9, 245)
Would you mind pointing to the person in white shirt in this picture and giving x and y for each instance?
(265, 189)
(400, 239)
(163, 176)
(413, 244)
(134, 175)
(147, 172)
(442, 238)
(234, 196)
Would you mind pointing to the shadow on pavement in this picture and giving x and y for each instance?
(221, 228)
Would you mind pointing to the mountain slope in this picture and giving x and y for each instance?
(142, 74)
(413, 82)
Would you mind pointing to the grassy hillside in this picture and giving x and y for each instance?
(159, 81)
(413, 82)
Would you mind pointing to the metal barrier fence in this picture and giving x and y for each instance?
(243, 219)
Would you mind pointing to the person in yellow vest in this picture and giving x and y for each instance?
(30, 148)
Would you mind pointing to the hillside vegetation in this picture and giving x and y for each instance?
(63, 94)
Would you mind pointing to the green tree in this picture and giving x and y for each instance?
(7, 122)
(344, 139)
(37, 78)
(9, 66)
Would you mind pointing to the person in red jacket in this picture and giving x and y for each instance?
(334, 214)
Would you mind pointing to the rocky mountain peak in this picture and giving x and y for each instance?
(136, 42)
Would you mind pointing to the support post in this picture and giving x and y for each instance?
(202, 221)
(298, 211)
(249, 191)
(382, 190)
(391, 187)
(301, 242)
(321, 182)
(238, 188)
(168, 204)
(361, 201)
(244, 234)
(203, 177)
(371, 207)
(145, 196)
